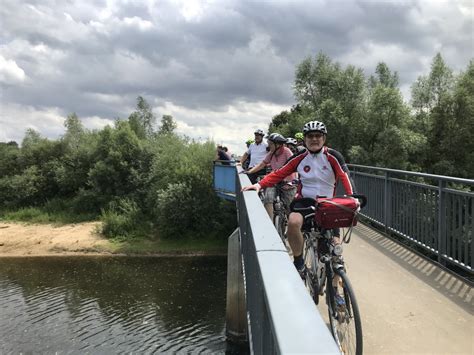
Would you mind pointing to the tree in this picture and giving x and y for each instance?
(142, 121)
(74, 130)
(333, 95)
(459, 137)
(433, 100)
(168, 125)
(315, 80)
(383, 77)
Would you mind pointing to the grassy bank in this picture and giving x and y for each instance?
(140, 244)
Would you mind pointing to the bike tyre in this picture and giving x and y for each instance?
(277, 222)
(352, 310)
(311, 278)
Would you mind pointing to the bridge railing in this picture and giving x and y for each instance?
(281, 316)
(434, 211)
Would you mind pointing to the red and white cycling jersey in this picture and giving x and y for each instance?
(318, 173)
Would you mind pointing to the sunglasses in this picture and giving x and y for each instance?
(314, 135)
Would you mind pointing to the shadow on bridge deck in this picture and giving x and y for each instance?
(408, 304)
(455, 289)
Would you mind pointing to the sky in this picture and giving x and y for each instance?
(221, 68)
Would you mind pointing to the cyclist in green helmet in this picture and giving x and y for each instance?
(299, 141)
(299, 138)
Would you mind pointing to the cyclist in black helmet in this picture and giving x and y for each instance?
(276, 158)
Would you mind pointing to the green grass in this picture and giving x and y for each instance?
(143, 246)
(41, 216)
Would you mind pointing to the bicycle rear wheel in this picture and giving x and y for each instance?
(346, 326)
(311, 277)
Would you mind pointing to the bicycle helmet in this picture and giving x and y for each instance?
(291, 141)
(314, 126)
(299, 136)
(259, 132)
(276, 138)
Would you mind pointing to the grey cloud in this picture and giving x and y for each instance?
(235, 52)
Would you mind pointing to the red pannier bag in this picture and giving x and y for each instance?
(337, 212)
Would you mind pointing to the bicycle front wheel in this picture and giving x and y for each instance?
(344, 316)
(311, 277)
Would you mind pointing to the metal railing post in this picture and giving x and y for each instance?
(385, 197)
(441, 222)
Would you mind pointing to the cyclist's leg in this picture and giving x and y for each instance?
(287, 197)
(295, 238)
(269, 197)
(336, 239)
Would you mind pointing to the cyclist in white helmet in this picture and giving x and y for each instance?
(292, 144)
(257, 152)
(319, 169)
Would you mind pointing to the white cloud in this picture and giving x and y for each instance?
(230, 127)
(10, 72)
(96, 122)
(15, 119)
(137, 22)
(48, 121)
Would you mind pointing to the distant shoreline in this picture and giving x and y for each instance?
(81, 239)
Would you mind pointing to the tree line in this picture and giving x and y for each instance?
(138, 180)
(370, 124)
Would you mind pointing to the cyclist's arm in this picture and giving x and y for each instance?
(279, 174)
(256, 168)
(340, 170)
(244, 158)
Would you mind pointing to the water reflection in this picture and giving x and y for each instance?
(111, 305)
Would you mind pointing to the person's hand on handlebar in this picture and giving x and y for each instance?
(255, 187)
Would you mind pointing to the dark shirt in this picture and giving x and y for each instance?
(222, 155)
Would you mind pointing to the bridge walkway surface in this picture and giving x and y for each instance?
(408, 304)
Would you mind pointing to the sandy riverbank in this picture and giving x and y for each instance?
(18, 239)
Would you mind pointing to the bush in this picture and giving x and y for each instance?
(122, 220)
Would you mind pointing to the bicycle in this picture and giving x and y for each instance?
(326, 273)
(280, 217)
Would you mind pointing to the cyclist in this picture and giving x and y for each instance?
(246, 163)
(291, 143)
(257, 152)
(319, 169)
(276, 158)
(299, 141)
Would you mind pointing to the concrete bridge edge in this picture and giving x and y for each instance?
(236, 310)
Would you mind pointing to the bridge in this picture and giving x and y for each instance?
(410, 263)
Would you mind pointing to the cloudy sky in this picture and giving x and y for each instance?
(221, 68)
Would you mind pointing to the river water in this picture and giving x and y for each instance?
(113, 305)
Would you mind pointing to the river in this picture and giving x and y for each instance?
(113, 305)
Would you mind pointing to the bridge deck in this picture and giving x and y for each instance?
(408, 305)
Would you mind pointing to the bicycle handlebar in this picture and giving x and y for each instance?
(359, 197)
(362, 198)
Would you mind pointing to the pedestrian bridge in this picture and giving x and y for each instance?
(412, 300)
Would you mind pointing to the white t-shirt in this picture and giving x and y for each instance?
(257, 153)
